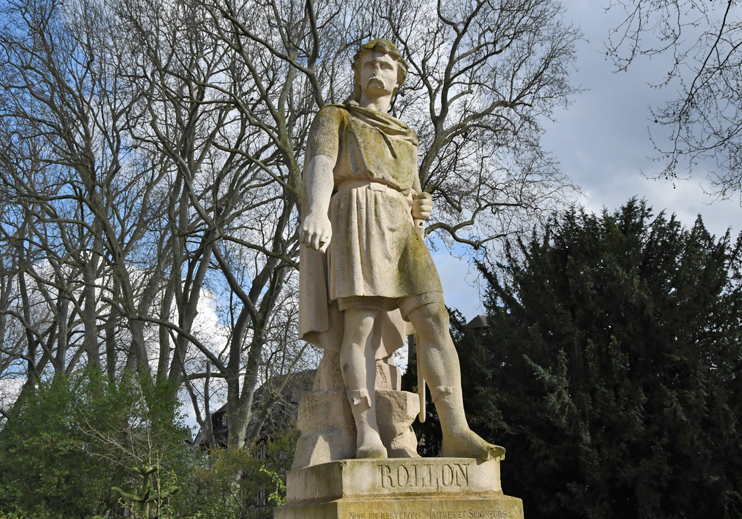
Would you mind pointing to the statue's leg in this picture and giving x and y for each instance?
(358, 366)
(439, 363)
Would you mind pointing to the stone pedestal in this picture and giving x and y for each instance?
(422, 488)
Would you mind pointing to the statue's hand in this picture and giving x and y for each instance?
(316, 232)
(422, 206)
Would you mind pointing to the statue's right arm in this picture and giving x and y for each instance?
(323, 145)
(316, 229)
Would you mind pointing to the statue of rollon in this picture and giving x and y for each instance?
(367, 279)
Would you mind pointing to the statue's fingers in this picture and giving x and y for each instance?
(324, 240)
(420, 209)
(315, 241)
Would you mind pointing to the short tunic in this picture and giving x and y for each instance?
(375, 249)
(375, 252)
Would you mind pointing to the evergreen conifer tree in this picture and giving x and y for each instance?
(610, 368)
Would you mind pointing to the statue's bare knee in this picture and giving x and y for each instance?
(359, 325)
(431, 322)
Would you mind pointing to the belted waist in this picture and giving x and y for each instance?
(375, 185)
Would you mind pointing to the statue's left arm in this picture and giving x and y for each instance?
(422, 202)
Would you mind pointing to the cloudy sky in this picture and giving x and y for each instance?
(602, 142)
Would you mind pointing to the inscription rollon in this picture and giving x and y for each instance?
(423, 475)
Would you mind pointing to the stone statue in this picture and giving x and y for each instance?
(367, 276)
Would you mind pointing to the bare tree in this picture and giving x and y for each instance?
(484, 75)
(160, 168)
(82, 208)
(704, 43)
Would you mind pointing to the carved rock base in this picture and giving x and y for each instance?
(326, 421)
(329, 432)
(424, 488)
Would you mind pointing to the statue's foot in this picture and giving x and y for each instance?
(369, 443)
(467, 444)
(371, 450)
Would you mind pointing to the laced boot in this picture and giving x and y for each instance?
(368, 441)
(458, 440)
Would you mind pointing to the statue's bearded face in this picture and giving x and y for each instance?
(377, 74)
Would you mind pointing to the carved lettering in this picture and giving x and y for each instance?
(385, 473)
(463, 472)
(488, 514)
(447, 476)
(423, 476)
(396, 515)
(420, 480)
(466, 514)
(403, 476)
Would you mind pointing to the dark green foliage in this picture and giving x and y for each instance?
(240, 483)
(44, 466)
(77, 437)
(610, 368)
(79, 447)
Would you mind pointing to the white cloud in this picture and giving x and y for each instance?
(602, 140)
(10, 389)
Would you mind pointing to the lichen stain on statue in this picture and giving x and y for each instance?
(367, 280)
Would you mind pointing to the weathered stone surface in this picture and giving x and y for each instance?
(365, 265)
(395, 412)
(430, 488)
(490, 506)
(326, 421)
(388, 376)
(324, 411)
(393, 477)
(367, 278)
(329, 433)
(328, 376)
